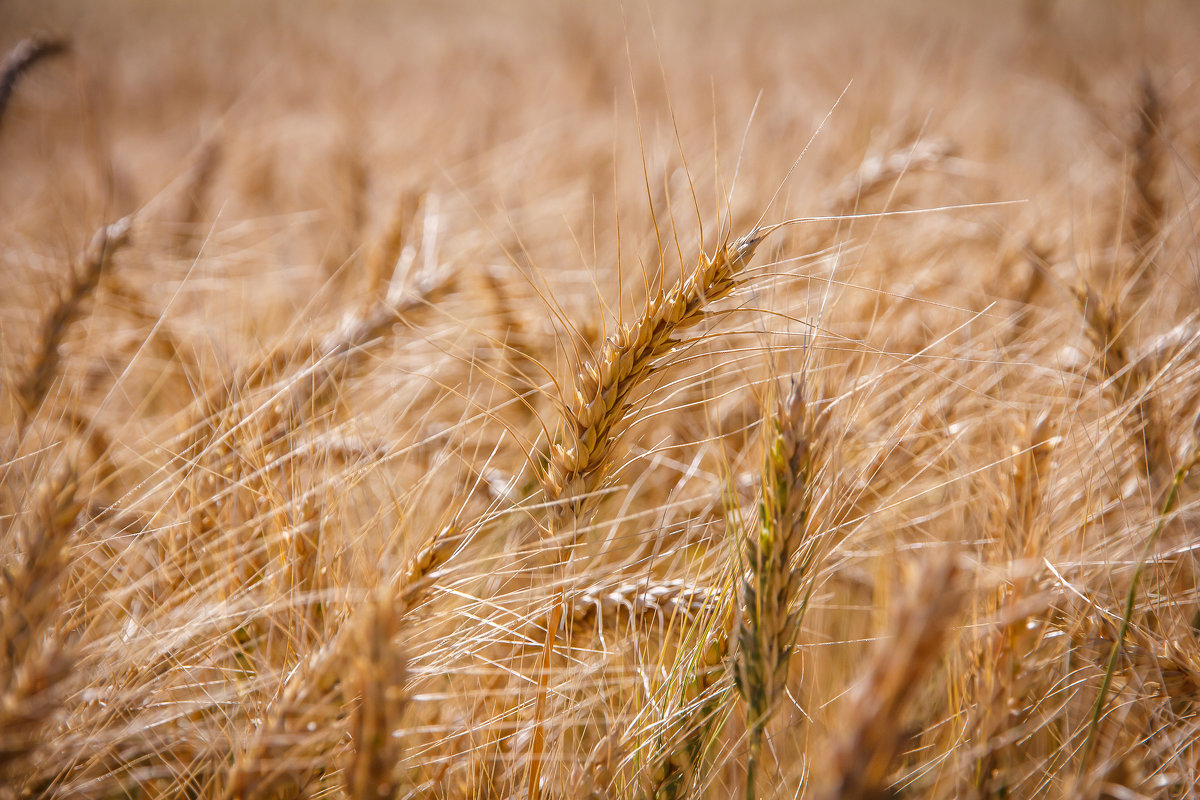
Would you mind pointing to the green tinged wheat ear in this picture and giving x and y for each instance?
(595, 417)
(781, 554)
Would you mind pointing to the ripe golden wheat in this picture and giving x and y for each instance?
(755, 400)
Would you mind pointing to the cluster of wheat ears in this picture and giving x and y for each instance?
(564, 401)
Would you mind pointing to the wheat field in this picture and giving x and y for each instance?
(655, 399)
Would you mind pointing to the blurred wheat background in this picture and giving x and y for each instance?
(424, 399)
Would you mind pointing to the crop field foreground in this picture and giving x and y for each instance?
(626, 399)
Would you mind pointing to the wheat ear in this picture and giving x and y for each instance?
(33, 389)
(300, 724)
(596, 415)
(781, 554)
(684, 745)
(380, 674)
(662, 601)
(1107, 328)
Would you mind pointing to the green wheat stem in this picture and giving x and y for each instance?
(1130, 601)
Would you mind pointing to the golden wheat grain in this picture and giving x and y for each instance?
(597, 413)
